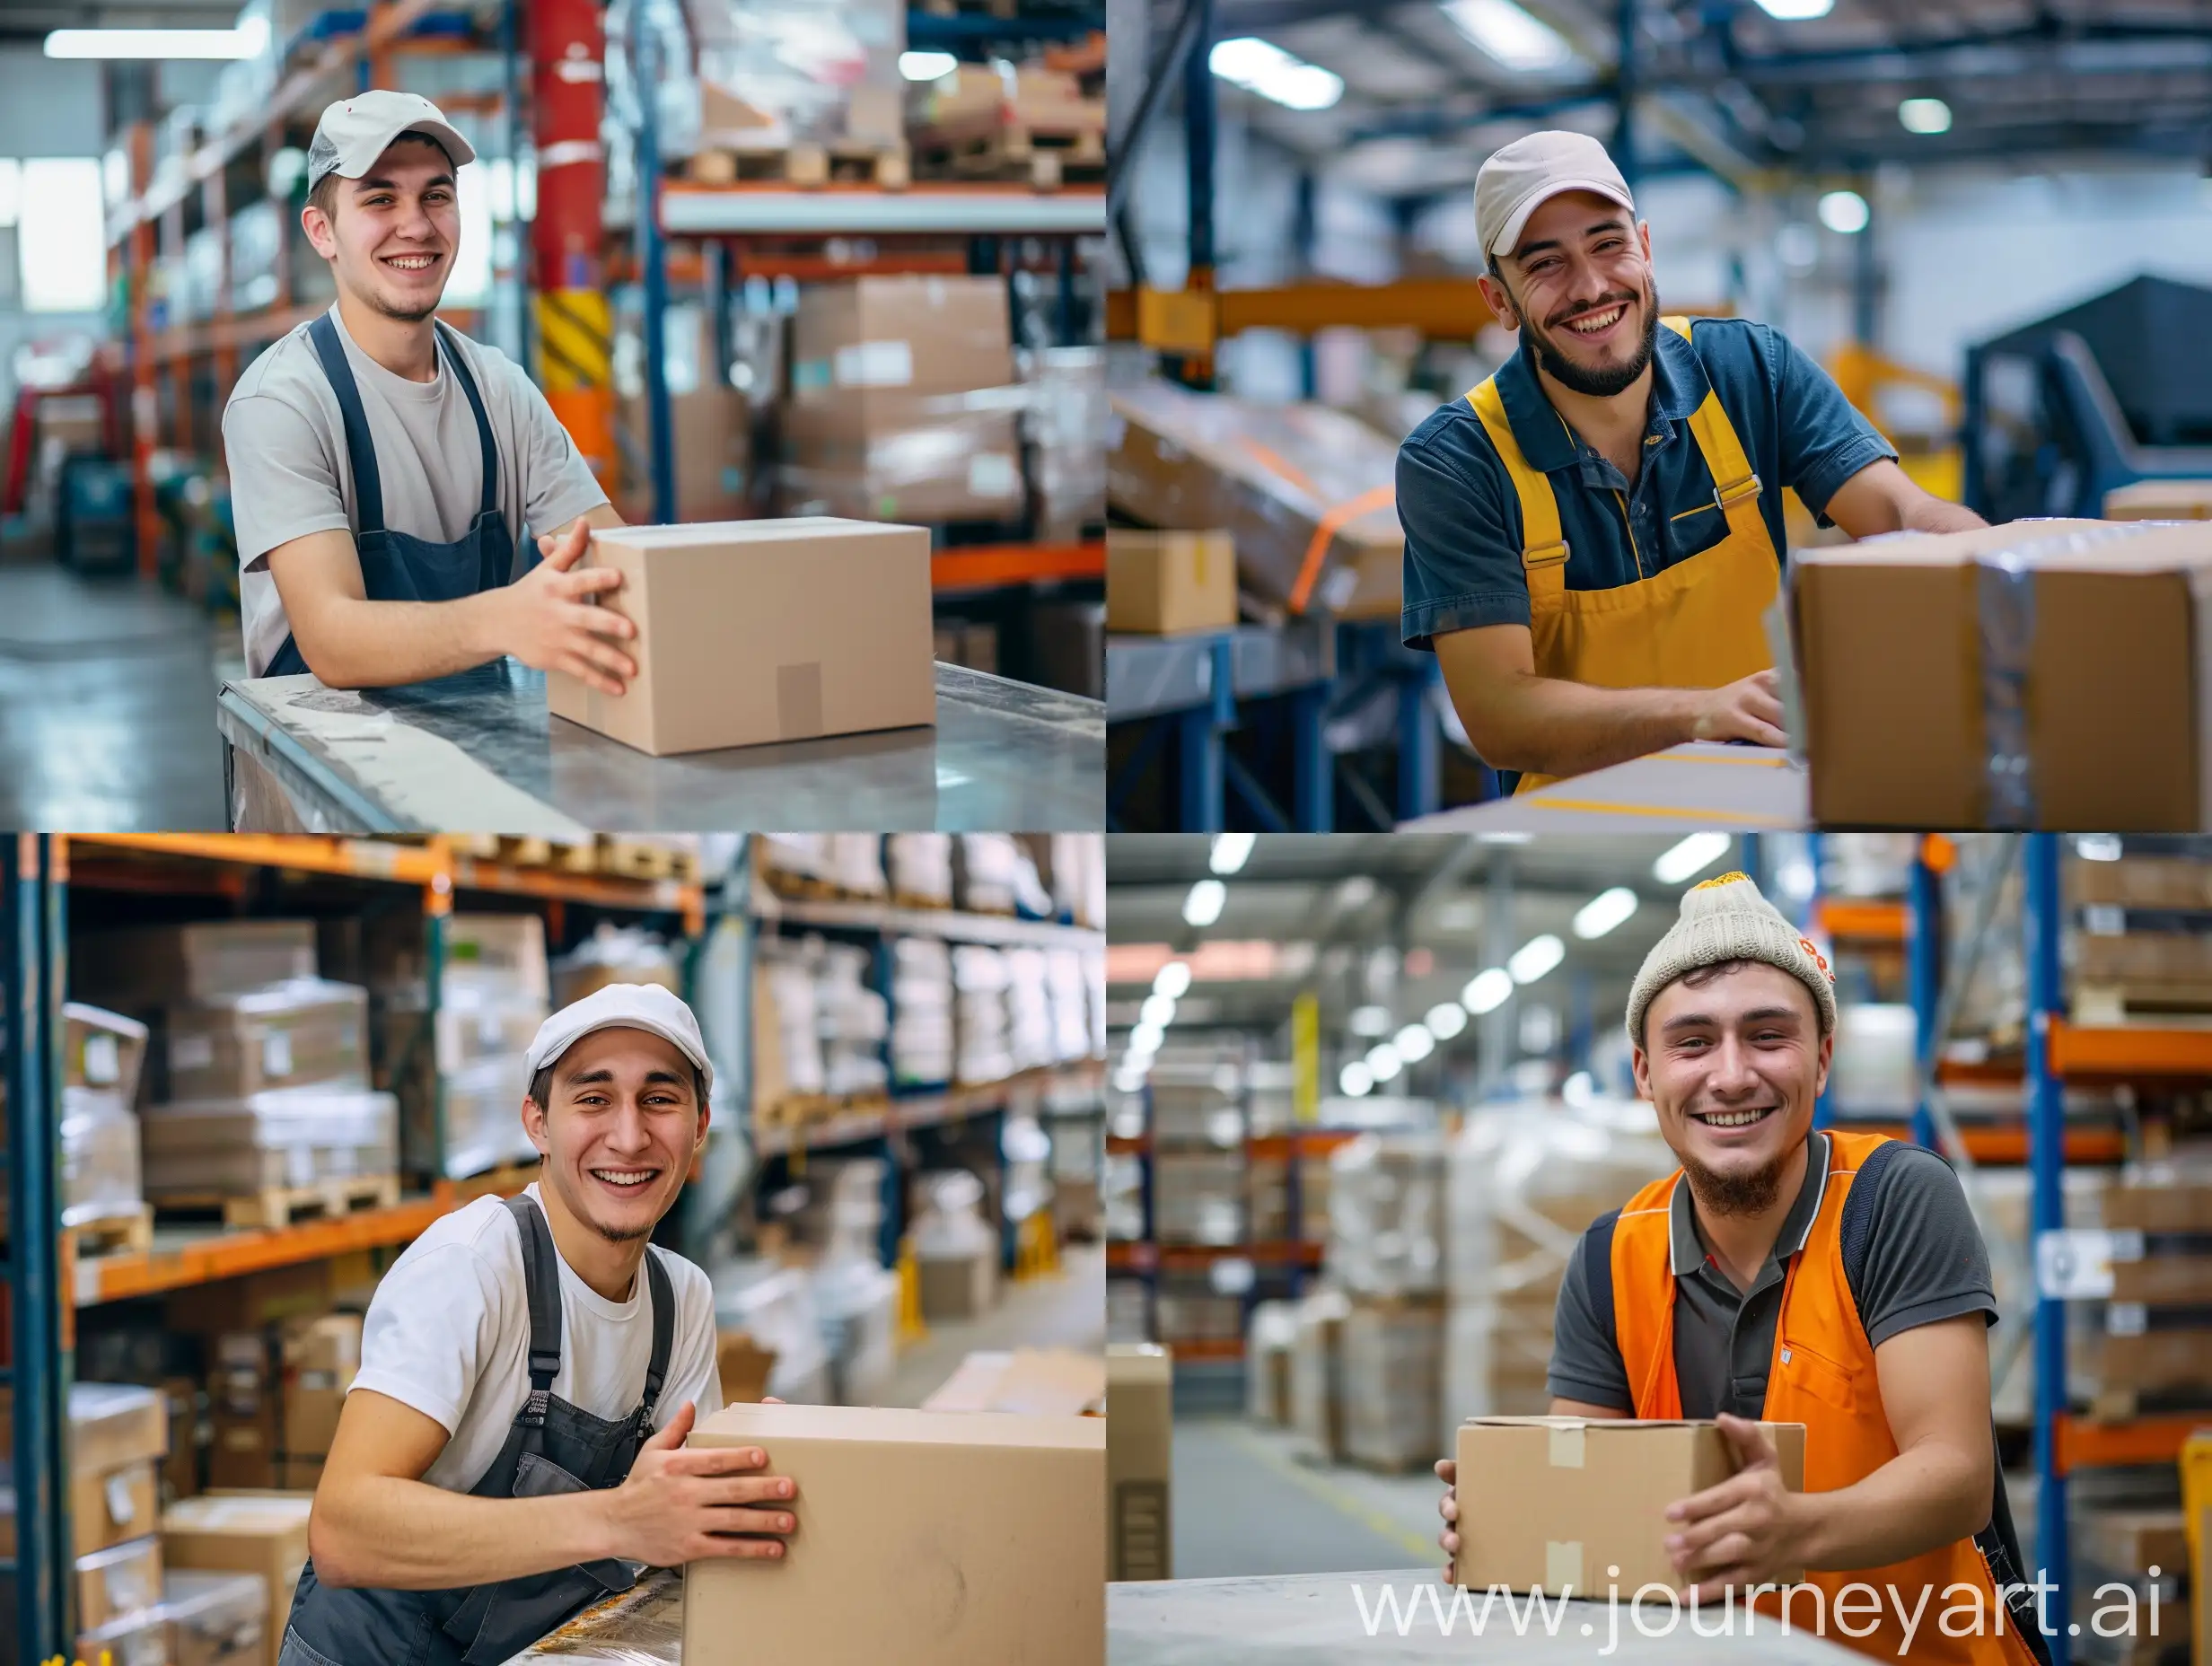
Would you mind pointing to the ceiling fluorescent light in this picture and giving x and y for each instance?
(1694, 855)
(1509, 34)
(927, 66)
(1231, 852)
(1604, 911)
(1384, 1063)
(1445, 1020)
(1263, 67)
(1174, 981)
(1356, 1079)
(1534, 958)
(1414, 1043)
(1796, 11)
(1203, 906)
(1487, 991)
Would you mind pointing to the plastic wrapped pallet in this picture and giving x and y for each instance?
(484, 1116)
(920, 867)
(1296, 485)
(806, 69)
(1067, 422)
(1029, 1010)
(1524, 1183)
(1316, 1374)
(984, 1045)
(854, 1021)
(775, 1305)
(102, 1050)
(787, 983)
(282, 1137)
(99, 1160)
(921, 1004)
(790, 862)
(1079, 877)
(1269, 1340)
(282, 1035)
(857, 1300)
(615, 954)
(641, 1627)
(214, 1618)
(1386, 1214)
(154, 966)
(1392, 1383)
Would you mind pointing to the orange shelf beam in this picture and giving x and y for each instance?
(1208, 1347)
(232, 1255)
(1147, 1258)
(2085, 1445)
(989, 565)
(1311, 1142)
(2010, 1145)
(1863, 922)
(2130, 1050)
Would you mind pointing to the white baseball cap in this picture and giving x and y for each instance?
(621, 1006)
(1521, 177)
(354, 131)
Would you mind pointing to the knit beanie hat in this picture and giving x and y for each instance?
(1728, 919)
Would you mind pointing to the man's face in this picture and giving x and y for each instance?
(618, 1137)
(1580, 284)
(393, 232)
(1733, 1067)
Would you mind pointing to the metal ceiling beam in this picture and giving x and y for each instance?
(1253, 17)
(1164, 69)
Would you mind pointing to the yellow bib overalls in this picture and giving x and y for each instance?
(1695, 624)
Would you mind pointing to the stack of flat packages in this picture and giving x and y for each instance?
(1306, 492)
(956, 1246)
(1523, 1185)
(921, 1025)
(1385, 1251)
(985, 1044)
(903, 405)
(262, 1534)
(103, 1055)
(710, 424)
(998, 876)
(1068, 991)
(1317, 1410)
(1067, 426)
(919, 869)
(1030, 1024)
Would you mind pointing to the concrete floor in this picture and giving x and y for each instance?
(107, 706)
(1245, 1504)
(1066, 1310)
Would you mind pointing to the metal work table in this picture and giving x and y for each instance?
(1313, 1620)
(479, 751)
(1704, 784)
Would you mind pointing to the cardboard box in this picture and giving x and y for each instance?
(104, 1509)
(2115, 662)
(328, 1344)
(295, 1474)
(311, 1412)
(188, 1430)
(2168, 1206)
(102, 1049)
(1140, 1462)
(711, 429)
(1039, 1383)
(281, 1035)
(215, 1620)
(1557, 1502)
(249, 1532)
(933, 468)
(112, 1425)
(242, 1454)
(2154, 1362)
(976, 1537)
(302, 1291)
(959, 1286)
(155, 965)
(2140, 882)
(744, 1367)
(1160, 583)
(123, 1579)
(2160, 500)
(735, 646)
(2130, 1540)
(864, 347)
(1283, 480)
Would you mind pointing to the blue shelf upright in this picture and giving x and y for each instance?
(2042, 921)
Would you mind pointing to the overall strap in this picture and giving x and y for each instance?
(360, 450)
(483, 423)
(541, 1278)
(663, 1296)
(1735, 484)
(1543, 544)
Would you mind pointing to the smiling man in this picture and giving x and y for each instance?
(383, 467)
(530, 1368)
(1794, 1275)
(1594, 534)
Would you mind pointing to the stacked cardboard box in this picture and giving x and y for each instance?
(118, 1436)
(215, 1620)
(274, 1395)
(2157, 1341)
(1162, 584)
(821, 70)
(615, 954)
(1317, 1373)
(1140, 1431)
(103, 1054)
(710, 422)
(1269, 1342)
(263, 1534)
(957, 1247)
(902, 406)
(1198, 1197)
(1028, 1382)
(1299, 488)
(1393, 1377)
(2145, 1551)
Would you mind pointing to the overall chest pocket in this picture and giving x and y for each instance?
(1694, 530)
(1822, 1377)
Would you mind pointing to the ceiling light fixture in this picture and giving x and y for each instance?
(1445, 1020)
(1231, 851)
(1414, 1043)
(1505, 32)
(1384, 1063)
(1796, 11)
(1603, 912)
(1694, 855)
(1158, 1010)
(1371, 1021)
(1534, 958)
(927, 66)
(1263, 67)
(1923, 116)
(1487, 991)
(1356, 1079)
(157, 43)
(1203, 906)
(1844, 212)
(1173, 980)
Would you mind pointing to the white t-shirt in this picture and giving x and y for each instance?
(448, 1333)
(284, 440)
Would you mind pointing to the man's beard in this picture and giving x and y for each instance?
(403, 316)
(1736, 1194)
(1605, 382)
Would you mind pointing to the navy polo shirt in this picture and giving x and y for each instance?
(1463, 517)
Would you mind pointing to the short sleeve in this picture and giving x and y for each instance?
(1586, 1359)
(694, 1371)
(557, 484)
(1462, 562)
(431, 1326)
(284, 481)
(1925, 1258)
(1825, 440)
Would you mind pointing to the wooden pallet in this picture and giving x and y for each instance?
(2126, 1405)
(805, 164)
(1047, 152)
(113, 1234)
(503, 1181)
(283, 1206)
(648, 859)
(986, 8)
(933, 905)
(2104, 1004)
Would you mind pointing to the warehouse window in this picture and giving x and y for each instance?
(58, 214)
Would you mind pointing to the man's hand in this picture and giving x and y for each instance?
(1746, 1531)
(1749, 710)
(1448, 1507)
(684, 1506)
(547, 620)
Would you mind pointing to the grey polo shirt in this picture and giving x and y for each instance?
(1925, 1262)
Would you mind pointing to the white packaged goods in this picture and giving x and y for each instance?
(1123, 1198)
(1079, 877)
(280, 1137)
(792, 992)
(1386, 1214)
(949, 1224)
(1028, 1151)
(1524, 1181)
(1268, 1095)
(501, 954)
(1392, 1359)
(1198, 1198)
(919, 866)
(774, 1306)
(100, 1172)
(998, 877)
(985, 1048)
(798, 855)
(1128, 1316)
(854, 1019)
(1095, 982)
(1867, 865)
(802, 69)
(1316, 1374)
(1070, 995)
(857, 1301)
(856, 864)
(921, 1004)
(1269, 1339)
(484, 1116)
(1873, 1074)
(1029, 1010)
(615, 954)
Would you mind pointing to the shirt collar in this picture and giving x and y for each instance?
(1679, 385)
(1688, 1254)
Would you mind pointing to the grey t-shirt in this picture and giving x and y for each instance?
(286, 442)
(1925, 1262)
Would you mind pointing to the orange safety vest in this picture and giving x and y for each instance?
(1695, 624)
(1822, 1375)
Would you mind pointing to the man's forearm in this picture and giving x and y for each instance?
(1558, 728)
(380, 645)
(1933, 514)
(389, 1533)
(1926, 1497)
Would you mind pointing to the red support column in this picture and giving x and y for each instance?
(575, 342)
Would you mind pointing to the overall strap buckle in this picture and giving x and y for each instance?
(1541, 555)
(1727, 497)
(534, 1408)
